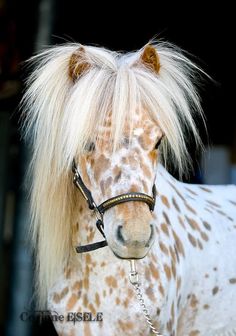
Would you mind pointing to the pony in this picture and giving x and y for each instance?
(113, 123)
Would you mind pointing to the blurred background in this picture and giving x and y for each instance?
(30, 25)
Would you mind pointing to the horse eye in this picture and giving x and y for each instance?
(90, 147)
(158, 143)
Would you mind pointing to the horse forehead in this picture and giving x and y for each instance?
(142, 123)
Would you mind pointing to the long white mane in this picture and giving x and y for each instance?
(61, 116)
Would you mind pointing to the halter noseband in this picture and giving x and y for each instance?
(104, 206)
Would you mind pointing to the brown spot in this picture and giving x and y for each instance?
(91, 236)
(134, 188)
(208, 210)
(173, 254)
(126, 302)
(68, 273)
(175, 204)
(111, 281)
(107, 184)
(232, 202)
(154, 271)
(163, 248)
(191, 191)
(161, 289)
(192, 240)
(206, 189)
(64, 292)
(215, 268)
(86, 279)
(125, 326)
(199, 244)
(207, 225)
(173, 268)
(88, 259)
(56, 297)
(190, 208)
(222, 213)
(167, 271)
(178, 284)
(72, 301)
(177, 191)
(193, 301)
(204, 236)
(206, 306)
(176, 253)
(166, 218)
(181, 222)
(116, 173)
(102, 164)
(104, 293)
(102, 187)
(150, 293)
(194, 333)
(214, 204)
(153, 157)
(173, 311)
(92, 309)
(124, 160)
(165, 201)
(215, 290)
(164, 228)
(85, 300)
(206, 275)
(169, 325)
(194, 225)
(179, 244)
(130, 293)
(145, 187)
(146, 171)
(97, 299)
(179, 301)
(232, 281)
(147, 274)
(117, 301)
(77, 285)
(87, 329)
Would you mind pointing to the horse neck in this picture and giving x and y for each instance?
(169, 248)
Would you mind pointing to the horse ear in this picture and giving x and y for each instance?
(150, 58)
(78, 64)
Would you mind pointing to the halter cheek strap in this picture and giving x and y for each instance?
(109, 203)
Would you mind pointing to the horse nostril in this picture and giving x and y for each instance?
(151, 236)
(119, 234)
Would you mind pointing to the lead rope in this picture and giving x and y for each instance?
(134, 280)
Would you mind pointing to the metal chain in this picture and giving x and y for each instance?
(134, 280)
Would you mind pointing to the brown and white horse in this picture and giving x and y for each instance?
(122, 118)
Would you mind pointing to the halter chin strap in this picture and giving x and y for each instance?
(100, 209)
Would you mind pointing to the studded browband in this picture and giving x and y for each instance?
(104, 206)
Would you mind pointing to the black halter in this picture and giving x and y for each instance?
(100, 209)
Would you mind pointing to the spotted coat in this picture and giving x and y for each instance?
(188, 277)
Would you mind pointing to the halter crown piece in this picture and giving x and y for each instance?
(104, 206)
